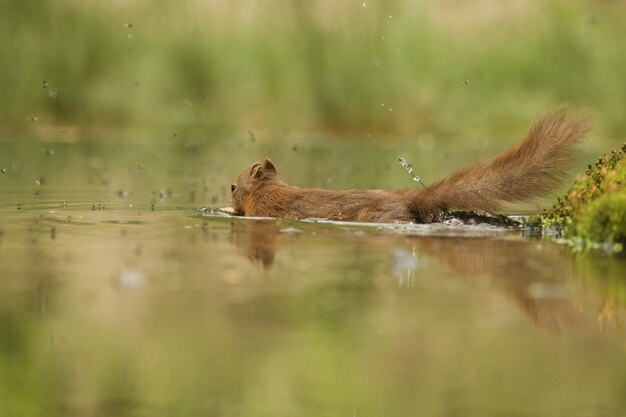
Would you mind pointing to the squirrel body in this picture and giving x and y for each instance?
(531, 168)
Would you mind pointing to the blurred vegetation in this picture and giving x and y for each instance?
(352, 68)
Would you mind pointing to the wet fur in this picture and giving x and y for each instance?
(531, 168)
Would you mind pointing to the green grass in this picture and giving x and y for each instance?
(392, 68)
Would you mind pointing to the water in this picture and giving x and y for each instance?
(118, 299)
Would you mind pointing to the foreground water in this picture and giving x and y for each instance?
(118, 299)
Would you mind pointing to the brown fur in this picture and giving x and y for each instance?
(531, 168)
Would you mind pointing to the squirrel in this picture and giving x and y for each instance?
(531, 168)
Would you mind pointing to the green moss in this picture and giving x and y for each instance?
(604, 219)
(593, 211)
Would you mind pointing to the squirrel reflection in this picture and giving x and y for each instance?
(257, 238)
(519, 269)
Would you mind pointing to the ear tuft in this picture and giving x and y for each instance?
(269, 167)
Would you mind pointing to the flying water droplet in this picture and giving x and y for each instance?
(409, 168)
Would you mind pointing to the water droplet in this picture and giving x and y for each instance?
(128, 25)
(131, 279)
(53, 92)
(382, 104)
(390, 16)
(3, 170)
(45, 84)
(466, 82)
(364, 4)
(403, 264)
(409, 168)
(33, 118)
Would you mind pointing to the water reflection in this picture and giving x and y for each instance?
(257, 239)
(403, 264)
(146, 312)
(538, 277)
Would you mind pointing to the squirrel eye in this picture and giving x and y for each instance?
(233, 187)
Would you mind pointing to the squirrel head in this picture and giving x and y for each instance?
(249, 181)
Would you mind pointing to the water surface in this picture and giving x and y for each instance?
(118, 298)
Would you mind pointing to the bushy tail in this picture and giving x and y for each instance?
(531, 168)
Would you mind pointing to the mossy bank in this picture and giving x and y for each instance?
(592, 213)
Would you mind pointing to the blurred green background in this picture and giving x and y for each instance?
(393, 68)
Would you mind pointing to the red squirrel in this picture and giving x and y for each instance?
(531, 168)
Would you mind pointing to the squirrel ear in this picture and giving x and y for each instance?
(269, 167)
(255, 171)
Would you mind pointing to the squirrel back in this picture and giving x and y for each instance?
(530, 169)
